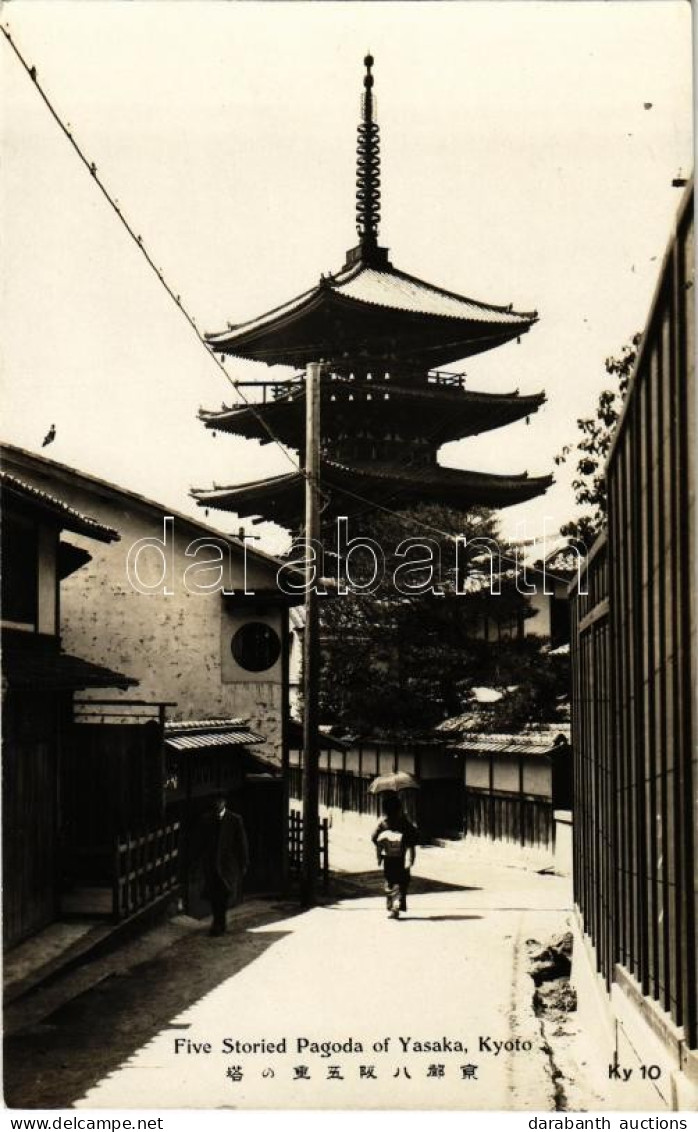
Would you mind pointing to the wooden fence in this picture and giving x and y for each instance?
(595, 882)
(523, 819)
(295, 845)
(338, 789)
(634, 672)
(145, 868)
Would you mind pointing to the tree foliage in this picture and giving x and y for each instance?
(400, 664)
(592, 448)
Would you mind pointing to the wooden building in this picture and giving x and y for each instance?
(62, 782)
(347, 768)
(385, 408)
(208, 652)
(635, 662)
(213, 654)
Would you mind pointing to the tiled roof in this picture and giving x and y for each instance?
(175, 725)
(70, 519)
(390, 289)
(536, 741)
(195, 734)
(272, 315)
(399, 291)
(241, 737)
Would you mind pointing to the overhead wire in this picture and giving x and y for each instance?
(210, 348)
(91, 167)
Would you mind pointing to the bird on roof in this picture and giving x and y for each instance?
(50, 436)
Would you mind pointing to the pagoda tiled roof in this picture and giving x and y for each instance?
(399, 291)
(352, 488)
(447, 412)
(453, 326)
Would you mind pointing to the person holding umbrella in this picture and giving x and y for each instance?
(395, 839)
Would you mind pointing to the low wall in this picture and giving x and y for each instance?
(628, 1030)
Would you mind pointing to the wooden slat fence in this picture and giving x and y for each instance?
(295, 845)
(524, 819)
(338, 789)
(595, 884)
(145, 868)
(634, 672)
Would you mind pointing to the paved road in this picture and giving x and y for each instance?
(455, 968)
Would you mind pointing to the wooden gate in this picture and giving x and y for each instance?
(295, 845)
(145, 868)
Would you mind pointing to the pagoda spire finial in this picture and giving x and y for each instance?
(368, 193)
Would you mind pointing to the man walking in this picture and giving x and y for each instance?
(225, 857)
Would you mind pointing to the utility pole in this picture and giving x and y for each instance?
(311, 643)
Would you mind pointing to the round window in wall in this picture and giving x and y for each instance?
(256, 646)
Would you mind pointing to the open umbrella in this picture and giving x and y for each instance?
(399, 780)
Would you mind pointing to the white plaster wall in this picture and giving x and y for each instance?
(171, 644)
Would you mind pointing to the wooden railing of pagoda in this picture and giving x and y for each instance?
(445, 377)
(277, 390)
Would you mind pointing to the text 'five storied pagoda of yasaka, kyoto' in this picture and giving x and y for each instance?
(386, 403)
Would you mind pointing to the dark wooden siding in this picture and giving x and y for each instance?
(634, 671)
(338, 789)
(29, 769)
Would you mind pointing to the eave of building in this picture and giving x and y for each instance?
(28, 498)
(35, 660)
(71, 558)
(440, 413)
(208, 740)
(373, 314)
(396, 486)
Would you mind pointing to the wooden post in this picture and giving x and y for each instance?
(311, 651)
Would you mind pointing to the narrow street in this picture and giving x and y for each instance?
(433, 1011)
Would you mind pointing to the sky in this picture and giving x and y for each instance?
(528, 151)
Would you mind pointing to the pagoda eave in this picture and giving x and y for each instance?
(353, 488)
(440, 413)
(397, 338)
(367, 315)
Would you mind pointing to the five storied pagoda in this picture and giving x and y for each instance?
(386, 404)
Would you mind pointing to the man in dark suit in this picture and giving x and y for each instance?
(225, 857)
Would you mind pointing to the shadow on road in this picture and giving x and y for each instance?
(352, 886)
(54, 1063)
(440, 919)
